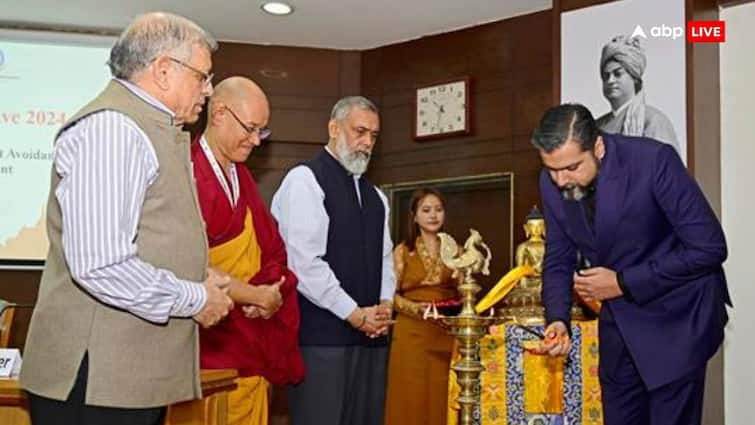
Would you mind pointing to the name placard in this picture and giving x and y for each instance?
(10, 362)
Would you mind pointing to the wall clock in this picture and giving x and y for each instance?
(442, 109)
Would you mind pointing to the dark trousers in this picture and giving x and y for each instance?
(343, 386)
(74, 411)
(626, 400)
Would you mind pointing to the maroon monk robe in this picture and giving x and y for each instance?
(256, 347)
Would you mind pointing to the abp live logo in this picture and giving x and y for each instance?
(706, 31)
(697, 32)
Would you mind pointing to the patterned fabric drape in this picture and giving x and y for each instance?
(506, 382)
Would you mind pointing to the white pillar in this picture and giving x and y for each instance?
(738, 207)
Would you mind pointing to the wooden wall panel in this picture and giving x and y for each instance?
(704, 158)
(510, 67)
(270, 162)
(302, 85)
(19, 287)
(566, 5)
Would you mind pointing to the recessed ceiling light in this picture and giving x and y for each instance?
(277, 8)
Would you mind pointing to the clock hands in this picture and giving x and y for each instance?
(441, 111)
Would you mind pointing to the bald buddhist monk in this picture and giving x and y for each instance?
(260, 336)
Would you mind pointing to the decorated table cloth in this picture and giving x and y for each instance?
(520, 388)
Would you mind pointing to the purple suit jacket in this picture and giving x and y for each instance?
(653, 224)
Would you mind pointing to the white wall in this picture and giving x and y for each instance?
(738, 207)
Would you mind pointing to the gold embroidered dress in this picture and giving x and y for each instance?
(420, 350)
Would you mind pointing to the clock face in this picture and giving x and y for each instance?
(441, 109)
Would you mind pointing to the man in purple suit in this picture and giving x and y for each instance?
(650, 250)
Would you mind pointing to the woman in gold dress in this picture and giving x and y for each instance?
(420, 350)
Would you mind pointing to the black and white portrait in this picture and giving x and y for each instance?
(625, 61)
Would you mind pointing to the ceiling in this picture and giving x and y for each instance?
(337, 24)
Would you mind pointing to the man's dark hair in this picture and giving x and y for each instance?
(570, 121)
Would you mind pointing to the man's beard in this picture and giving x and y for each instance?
(576, 192)
(355, 162)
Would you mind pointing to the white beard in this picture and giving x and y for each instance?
(354, 162)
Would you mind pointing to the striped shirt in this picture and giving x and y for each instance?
(106, 164)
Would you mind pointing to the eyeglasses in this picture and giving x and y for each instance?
(262, 132)
(205, 77)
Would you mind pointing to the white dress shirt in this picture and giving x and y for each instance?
(299, 207)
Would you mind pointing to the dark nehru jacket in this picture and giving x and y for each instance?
(354, 252)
